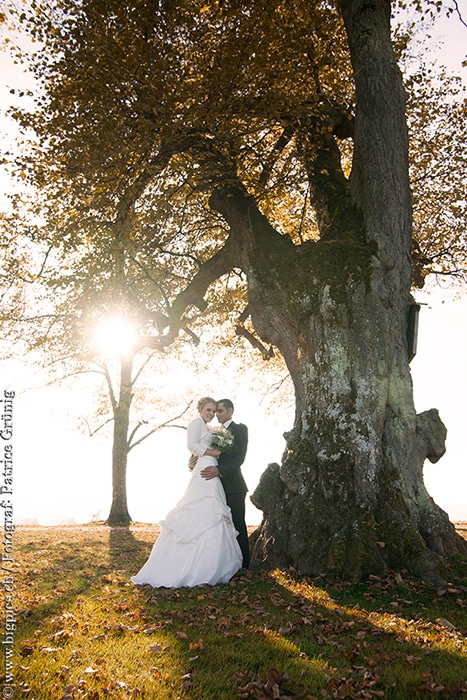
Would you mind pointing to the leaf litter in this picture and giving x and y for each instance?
(352, 633)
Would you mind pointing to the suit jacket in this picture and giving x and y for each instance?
(229, 463)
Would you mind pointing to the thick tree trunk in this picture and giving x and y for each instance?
(348, 497)
(119, 514)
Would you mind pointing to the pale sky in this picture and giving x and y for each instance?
(61, 475)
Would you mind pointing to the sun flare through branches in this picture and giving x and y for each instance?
(115, 336)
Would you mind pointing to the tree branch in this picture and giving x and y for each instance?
(220, 264)
(267, 354)
(168, 423)
(102, 425)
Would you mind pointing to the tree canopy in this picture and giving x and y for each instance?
(145, 107)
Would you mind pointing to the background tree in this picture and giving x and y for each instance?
(86, 305)
(235, 115)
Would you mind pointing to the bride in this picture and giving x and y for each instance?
(198, 541)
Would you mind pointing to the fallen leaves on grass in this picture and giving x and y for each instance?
(327, 645)
(270, 688)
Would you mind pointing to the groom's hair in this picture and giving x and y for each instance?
(227, 403)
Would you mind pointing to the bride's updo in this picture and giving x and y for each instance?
(205, 400)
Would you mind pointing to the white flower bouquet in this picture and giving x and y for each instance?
(222, 439)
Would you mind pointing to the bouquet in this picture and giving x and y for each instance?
(222, 439)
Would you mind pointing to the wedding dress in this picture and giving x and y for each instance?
(198, 541)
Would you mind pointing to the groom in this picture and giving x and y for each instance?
(231, 476)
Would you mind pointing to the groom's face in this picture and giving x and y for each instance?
(223, 414)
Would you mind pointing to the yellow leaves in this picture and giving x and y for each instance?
(196, 646)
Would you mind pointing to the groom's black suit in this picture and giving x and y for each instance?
(235, 488)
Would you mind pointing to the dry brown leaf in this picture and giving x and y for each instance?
(27, 650)
(68, 692)
(62, 634)
(196, 645)
(412, 660)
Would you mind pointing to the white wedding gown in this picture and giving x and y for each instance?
(198, 541)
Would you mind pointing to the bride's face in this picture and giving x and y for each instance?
(208, 412)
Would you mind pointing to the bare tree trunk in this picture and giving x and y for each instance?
(119, 514)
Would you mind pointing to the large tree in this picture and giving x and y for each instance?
(234, 115)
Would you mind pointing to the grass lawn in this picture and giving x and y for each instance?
(84, 631)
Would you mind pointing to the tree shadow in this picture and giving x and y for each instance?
(58, 567)
(275, 628)
(125, 550)
(289, 632)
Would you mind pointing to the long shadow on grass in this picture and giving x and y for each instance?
(125, 549)
(58, 568)
(316, 643)
(386, 634)
(378, 639)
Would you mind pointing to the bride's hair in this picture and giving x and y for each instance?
(205, 400)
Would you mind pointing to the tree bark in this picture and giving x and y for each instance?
(119, 514)
(348, 498)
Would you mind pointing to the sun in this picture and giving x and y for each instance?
(115, 336)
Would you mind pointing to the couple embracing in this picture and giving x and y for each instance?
(204, 538)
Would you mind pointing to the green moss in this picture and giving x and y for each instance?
(293, 278)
